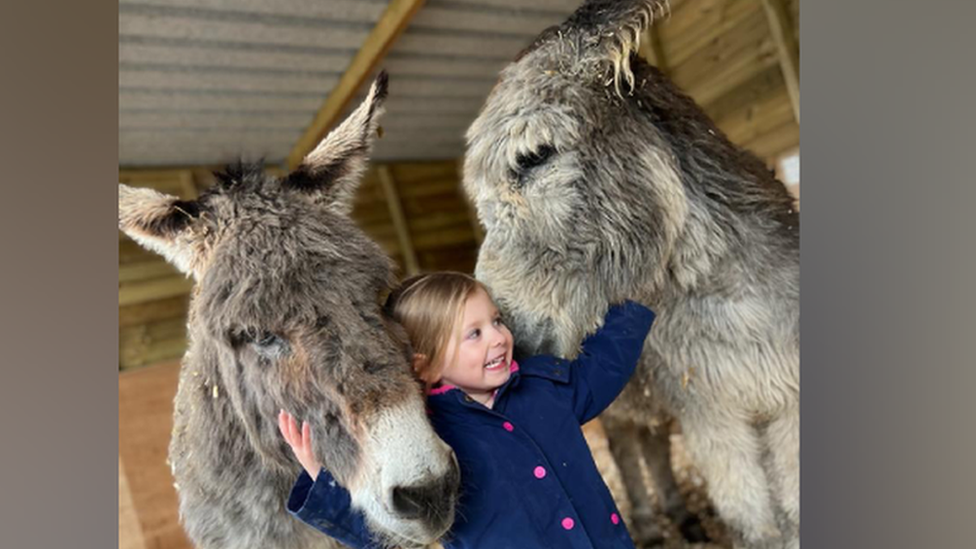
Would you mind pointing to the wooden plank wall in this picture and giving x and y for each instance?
(439, 225)
(153, 295)
(721, 52)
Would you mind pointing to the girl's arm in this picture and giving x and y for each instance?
(608, 359)
(317, 499)
(326, 506)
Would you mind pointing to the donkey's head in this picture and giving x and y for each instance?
(286, 314)
(575, 185)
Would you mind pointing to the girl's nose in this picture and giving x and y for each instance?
(498, 338)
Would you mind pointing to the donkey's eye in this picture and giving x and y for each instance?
(267, 339)
(527, 161)
(265, 343)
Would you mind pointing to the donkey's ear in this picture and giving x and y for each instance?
(161, 223)
(614, 29)
(333, 169)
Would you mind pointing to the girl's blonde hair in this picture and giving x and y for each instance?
(429, 306)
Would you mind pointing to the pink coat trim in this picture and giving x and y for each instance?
(441, 389)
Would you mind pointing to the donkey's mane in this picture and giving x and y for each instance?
(237, 172)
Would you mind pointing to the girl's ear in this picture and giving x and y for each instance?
(419, 363)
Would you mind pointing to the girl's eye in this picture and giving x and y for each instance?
(498, 321)
(474, 333)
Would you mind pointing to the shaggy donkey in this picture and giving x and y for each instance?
(598, 180)
(285, 315)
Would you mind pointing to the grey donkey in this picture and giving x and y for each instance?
(286, 314)
(598, 180)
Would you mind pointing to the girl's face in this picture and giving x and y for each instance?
(481, 350)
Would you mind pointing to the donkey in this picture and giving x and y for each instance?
(598, 180)
(285, 314)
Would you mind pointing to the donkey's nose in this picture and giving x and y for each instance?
(411, 502)
(432, 502)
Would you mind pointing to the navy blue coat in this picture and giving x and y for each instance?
(527, 475)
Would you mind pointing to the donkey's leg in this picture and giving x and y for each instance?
(728, 452)
(783, 443)
(622, 437)
(656, 445)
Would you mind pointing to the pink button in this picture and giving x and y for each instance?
(568, 523)
(539, 472)
(614, 518)
(508, 426)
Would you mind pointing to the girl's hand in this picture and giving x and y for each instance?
(300, 442)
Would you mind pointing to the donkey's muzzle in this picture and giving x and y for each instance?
(432, 502)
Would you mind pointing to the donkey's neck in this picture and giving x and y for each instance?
(734, 204)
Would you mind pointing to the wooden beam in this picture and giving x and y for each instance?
(391, 24)
(153, 289)
(145, 270)
(154, 311)
(399, 221)
(781, 29)
(188, 185)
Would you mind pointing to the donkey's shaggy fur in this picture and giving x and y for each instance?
(597, 180)
(285, 315)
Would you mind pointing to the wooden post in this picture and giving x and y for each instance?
(789, 54)
(188, 185)
(391, 24)
(399, 220)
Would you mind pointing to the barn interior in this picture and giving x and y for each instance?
(205, 82)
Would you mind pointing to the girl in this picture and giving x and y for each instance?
(527, 475)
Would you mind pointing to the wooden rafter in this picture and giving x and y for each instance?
(789, 54)
(391, 24)
(399, 220)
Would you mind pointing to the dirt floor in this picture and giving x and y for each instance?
(690, 482)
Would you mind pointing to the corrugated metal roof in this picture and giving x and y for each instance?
(206, 81)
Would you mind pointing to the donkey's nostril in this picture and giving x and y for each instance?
(410, 502)
(433, 503)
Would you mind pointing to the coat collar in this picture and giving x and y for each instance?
(542, 366)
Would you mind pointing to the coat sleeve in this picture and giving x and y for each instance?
(326, 506)
(608, 359)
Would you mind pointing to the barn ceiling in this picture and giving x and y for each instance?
(206, 81)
